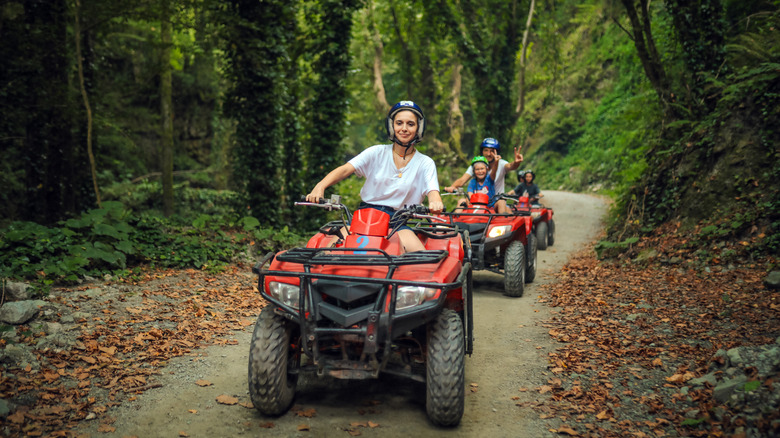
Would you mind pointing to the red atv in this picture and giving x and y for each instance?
(543, 223)
(360, 307)
(502, 243)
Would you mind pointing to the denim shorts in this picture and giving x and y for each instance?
(389, 210)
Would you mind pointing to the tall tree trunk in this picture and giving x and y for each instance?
(166, 109)
(330, 93)
(455, 120)
(524, 54)
(85, 96)
(407, 74)
(642, 36)
(381, 103)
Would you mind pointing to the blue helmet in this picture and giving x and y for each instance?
(405, 105)
(490, 142)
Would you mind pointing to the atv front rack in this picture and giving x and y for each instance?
(353, 256)
(375, 323)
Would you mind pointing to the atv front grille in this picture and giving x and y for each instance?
(346, 303)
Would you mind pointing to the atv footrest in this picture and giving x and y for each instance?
(349, 369)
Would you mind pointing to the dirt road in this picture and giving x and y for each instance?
(508, 366)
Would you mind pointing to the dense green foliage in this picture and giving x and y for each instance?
(673, 113)
(113, 239)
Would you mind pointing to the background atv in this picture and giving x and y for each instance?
(502, 243)
(361, 308)
(544, 225)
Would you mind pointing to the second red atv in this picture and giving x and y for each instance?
(544, 225)
(352, 306)
(502, 243)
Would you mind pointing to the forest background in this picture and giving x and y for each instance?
(175, 133)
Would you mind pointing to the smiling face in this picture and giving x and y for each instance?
(528, 177)
(405, 126)
(480, 171)
(489, 153)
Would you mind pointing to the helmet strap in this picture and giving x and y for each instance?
(411, 143)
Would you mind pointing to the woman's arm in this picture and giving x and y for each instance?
(435, 203)
(336, 175)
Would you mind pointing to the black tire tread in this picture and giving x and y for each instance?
(541, 235)
(551, 235)
(445, 370)
(514, 269)
(530, 258)
(270, 389)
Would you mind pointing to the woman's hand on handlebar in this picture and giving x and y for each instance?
(315, 195)
(436, 206)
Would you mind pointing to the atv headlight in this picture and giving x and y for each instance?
(535, 214)
(410, 296)
(288, 294)
(499, 231)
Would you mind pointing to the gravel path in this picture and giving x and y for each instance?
(508, 366)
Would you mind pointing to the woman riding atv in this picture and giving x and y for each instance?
(396, 174)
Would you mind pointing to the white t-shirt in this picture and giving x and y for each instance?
(386, 185)
(500, 174)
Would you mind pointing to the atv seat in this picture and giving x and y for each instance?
(475, 229)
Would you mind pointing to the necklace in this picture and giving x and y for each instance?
(403, 157)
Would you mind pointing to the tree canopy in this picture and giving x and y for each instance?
(645, 101)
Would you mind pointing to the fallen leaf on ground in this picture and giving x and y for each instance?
(303, 428)
(202, 382)
(308, 413)
(568, 431)
(226, 400)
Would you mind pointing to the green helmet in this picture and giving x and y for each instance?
(479, 159)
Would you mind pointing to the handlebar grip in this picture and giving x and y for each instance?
(321, 200)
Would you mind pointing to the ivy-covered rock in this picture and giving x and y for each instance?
(20, 312)
(772, 281)
(16, 291)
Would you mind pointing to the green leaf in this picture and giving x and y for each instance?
(752, 385)
(106, 230)
(249, 223)
(201, 221)
(125, 246)
(692, 421)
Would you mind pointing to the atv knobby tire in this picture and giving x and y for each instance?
(530, 258)
(514, 269)
(541, 235)
(271, 386)
(551, 235)
(445, 373)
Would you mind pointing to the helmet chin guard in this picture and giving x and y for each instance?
(405, 105)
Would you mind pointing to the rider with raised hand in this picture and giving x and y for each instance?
(527, 187)
(498, 169)
(396, 174)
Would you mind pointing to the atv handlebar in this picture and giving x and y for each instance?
(334, 203)
(459, 192)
